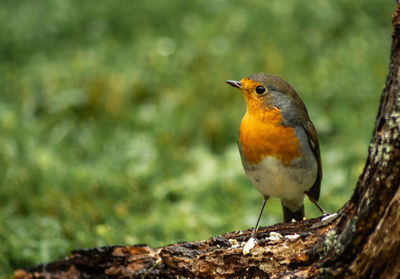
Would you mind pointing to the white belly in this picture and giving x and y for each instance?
(274, 179)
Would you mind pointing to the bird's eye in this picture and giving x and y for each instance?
(260, 90)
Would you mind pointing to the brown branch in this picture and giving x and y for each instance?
(362, 240)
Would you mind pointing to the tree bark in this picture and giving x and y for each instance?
(361, 241)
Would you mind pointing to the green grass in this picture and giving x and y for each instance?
(116, 126)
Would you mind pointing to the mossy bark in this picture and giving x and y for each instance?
(361, 241)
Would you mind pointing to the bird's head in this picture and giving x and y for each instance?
(263, 91)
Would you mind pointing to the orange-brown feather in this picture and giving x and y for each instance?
(261, 132)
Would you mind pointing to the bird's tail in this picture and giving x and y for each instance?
(289, 215)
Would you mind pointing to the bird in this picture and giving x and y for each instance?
(278, 145)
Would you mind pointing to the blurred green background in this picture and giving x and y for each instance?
(116, 126)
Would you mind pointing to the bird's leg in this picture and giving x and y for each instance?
(317, 204)
(252, 241)
(253, 234)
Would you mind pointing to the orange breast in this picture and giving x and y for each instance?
(261, 134)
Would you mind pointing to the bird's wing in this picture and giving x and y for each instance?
(313, 139)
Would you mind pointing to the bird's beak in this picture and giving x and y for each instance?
(234, 83)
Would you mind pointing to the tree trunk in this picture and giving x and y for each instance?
(362, 240)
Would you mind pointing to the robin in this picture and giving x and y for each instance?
(278, 145)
